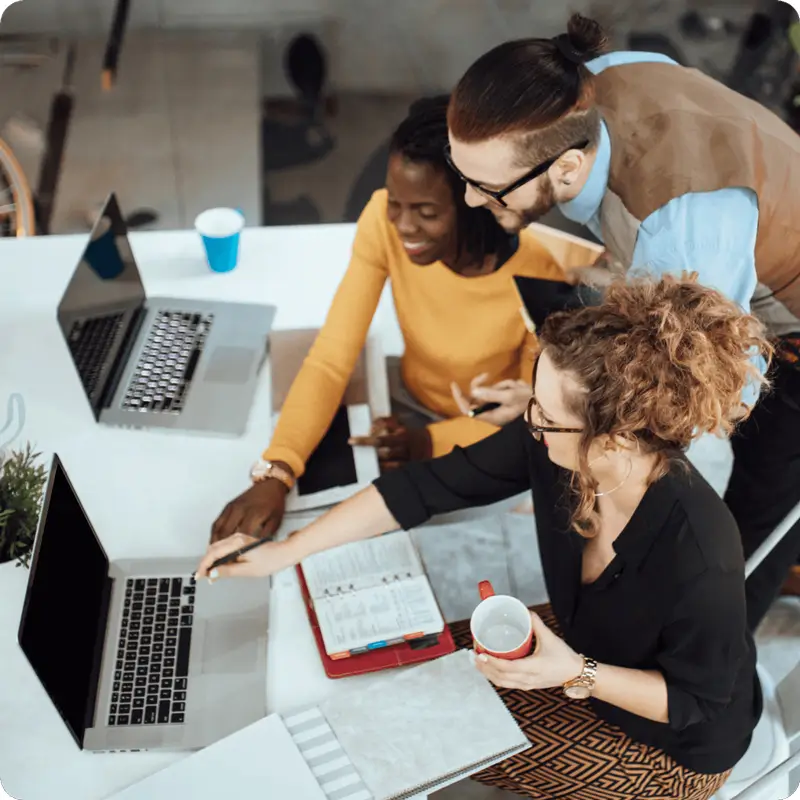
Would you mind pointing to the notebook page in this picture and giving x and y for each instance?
(411, 731)
(361, 565)
(383, 613)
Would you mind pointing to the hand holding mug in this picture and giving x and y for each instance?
(503, 630)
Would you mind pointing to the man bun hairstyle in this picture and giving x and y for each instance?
(539, 89)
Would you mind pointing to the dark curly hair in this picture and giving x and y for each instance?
(660, 362)
(422, 138)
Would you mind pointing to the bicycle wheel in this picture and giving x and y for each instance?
(16, 201)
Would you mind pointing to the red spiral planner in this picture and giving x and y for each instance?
(371, 607)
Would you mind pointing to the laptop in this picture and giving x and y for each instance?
(158, 362)
(542, 297)
(134, 654)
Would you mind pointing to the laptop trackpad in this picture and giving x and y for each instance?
(231, 645)
(230, 365)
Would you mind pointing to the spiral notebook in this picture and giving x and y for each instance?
(370, 595)
(408, 734)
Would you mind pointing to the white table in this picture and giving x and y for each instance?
(147, 493)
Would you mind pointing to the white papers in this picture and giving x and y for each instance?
(371, 592)
(361, 565)
(258, 761)
(383, 614)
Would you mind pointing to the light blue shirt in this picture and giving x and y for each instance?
(711, 233)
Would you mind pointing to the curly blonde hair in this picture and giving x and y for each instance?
(661, 362)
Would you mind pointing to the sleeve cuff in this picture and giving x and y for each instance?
(286, 455)
(682, 709)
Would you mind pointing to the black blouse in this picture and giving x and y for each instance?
(671, 600)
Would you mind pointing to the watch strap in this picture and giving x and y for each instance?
(264, 470)
(587, 677)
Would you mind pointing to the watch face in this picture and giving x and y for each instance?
(577, 692)
(260, 469)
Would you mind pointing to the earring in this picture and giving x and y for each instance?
(619, 485)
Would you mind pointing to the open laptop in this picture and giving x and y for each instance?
(133, 654)
(158, 362)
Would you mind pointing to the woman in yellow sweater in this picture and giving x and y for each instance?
(451, 270)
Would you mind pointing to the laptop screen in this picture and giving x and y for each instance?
(98, 305)
(106, 276)
(65, 604)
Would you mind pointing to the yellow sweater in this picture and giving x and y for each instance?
(454, 329)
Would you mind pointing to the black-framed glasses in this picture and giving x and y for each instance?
(498, 195)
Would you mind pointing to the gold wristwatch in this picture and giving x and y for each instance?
(581, 688)
(263, 469)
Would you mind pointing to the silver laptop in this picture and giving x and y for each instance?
(158, 362)
(133, 654)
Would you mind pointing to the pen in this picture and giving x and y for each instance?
(379, 645)
(231, 557)
(474, 412)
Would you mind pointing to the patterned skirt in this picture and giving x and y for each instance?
(575, 755)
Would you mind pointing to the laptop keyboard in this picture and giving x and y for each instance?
(162, 377)
(90, 342)
(152, 665)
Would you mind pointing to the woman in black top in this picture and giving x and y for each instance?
(642, 560)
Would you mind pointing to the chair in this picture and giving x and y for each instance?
(763, 772)
(16, 212)
(768, 750)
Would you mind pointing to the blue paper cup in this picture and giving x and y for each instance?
(220, 230)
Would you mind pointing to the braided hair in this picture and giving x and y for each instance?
(422, 138)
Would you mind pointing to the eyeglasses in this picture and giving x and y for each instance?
(498, 195)
(537, 430)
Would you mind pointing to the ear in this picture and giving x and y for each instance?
(624, 442)
(567, 169)
(606, 443)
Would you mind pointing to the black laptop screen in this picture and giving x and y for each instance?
(107, 276)
(333, 463)
(65, 603)
(99, 307)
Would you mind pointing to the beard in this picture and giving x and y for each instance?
(514, 220)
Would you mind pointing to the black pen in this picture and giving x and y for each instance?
(474, 412)
(234, 556)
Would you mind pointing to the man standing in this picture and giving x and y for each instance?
(673, 171)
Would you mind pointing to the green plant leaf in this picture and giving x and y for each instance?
(22, 482)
